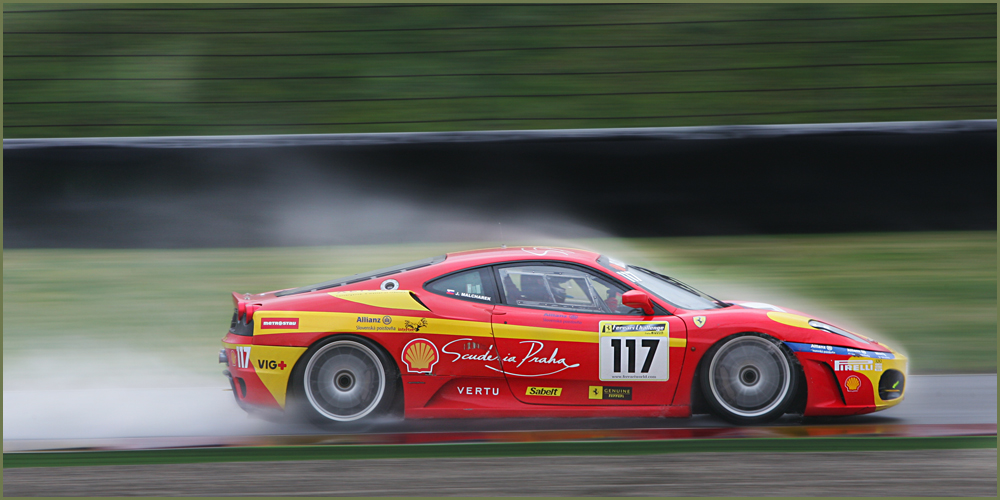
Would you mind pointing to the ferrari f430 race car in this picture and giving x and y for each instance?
(542, 332)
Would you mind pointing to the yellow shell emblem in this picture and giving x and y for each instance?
(853, 383)
(420, 356)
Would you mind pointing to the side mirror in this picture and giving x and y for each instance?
(638, 300)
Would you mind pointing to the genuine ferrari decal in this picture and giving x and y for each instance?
(279, 323)
(543, 391)
(605, 392)
(857, 365)
(840, 351)
(389, 299)
(699, 321)
(631, 350)
(420, 356)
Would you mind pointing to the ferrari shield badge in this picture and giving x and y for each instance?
(699, 321)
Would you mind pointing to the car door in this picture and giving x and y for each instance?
(564, 338)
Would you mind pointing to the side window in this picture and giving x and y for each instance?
(561, 288)
(475, 285)
(612, 297)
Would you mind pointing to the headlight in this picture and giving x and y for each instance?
(819, 325)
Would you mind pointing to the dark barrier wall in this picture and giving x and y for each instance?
(625, 186)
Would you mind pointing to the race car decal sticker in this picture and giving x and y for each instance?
(543, 251)
(629, 275)
(699, 321)
(535, 350)
(479, 391)
(631, 350)
(840, 351)
(606, 392)
(243, 356)
(852, 384)
(279, 323)
(420, 356)
(374, 324)
(761, 305)
(469, 345)
(857, 365)
(543, 391)
(413, 326)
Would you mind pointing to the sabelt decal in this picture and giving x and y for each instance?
(852, 383)
(634, 350)
(279, 323)
(243, 356)
(543, 391)
(608, 392)
(420, 356)
(857, 365)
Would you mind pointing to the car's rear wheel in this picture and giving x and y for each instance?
(347, 380)
(749, 379)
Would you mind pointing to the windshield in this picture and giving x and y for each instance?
(672, 291)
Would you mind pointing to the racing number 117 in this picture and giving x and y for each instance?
(650, 344)
(634, 358)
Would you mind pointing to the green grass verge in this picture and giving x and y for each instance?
(842, 79)
(292, 453)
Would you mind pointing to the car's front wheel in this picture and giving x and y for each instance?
(346, 380)
(749, 379)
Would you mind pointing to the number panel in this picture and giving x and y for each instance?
(634, 350)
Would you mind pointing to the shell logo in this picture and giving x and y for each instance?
(853, 383)
(420, 356)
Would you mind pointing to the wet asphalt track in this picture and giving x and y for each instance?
(940, 403)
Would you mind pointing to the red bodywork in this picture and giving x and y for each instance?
(492, 359)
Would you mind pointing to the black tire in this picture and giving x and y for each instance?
(344, 380)
(749, 378)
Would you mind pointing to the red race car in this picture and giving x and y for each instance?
(542, 332)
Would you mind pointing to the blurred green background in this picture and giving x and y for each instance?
(204, 69)
(932, 295)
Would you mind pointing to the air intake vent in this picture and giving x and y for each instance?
(890, 386)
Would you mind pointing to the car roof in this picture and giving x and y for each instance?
(486, 256)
